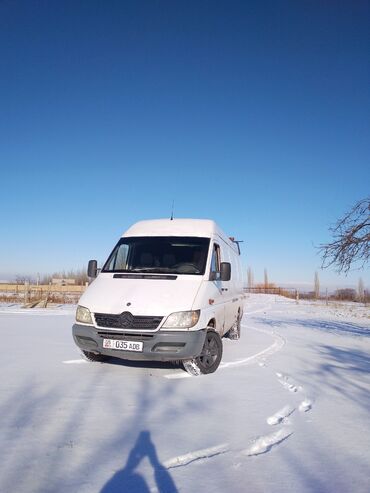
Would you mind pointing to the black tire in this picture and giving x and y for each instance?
(210, 357)
(234, 332)
(95, 357)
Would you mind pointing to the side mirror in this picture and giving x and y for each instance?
(92, 268)
(225, 271)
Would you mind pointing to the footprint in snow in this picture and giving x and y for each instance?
(305, 405)
(183, 460)
(281, 415)
(288, 386)
(263, 444)
(287, 383)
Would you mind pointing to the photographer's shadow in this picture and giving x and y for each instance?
(129, 481)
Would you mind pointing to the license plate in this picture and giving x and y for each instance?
(123, 345)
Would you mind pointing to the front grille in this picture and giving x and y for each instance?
(126, 320)
(125, 336)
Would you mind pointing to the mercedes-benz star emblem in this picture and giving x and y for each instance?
(126, 319)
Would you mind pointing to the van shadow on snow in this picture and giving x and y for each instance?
(165, 365)
(128, 480)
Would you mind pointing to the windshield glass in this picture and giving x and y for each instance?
(162, 254)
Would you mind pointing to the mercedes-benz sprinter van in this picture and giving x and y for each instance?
(169, 291)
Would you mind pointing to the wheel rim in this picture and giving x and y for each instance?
(210, 351)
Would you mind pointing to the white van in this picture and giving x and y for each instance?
(169, 291)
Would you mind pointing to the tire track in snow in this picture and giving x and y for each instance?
(276, 346)
(273, 348)
(37, 312)
(74, 361)
(278, 343)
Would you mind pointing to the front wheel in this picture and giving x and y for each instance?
(210, 357)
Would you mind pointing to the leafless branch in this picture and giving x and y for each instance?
(351, 239)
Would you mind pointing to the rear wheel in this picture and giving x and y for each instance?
(95, 357)
(210, 357)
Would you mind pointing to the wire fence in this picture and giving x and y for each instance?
(33, 294)
(294, 293)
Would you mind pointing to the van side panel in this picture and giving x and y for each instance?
(221, 300)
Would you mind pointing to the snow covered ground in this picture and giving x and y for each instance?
(287, 411)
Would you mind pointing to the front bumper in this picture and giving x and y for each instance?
(157, 346)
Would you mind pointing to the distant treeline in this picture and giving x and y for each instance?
(346, 294)
(79, 275)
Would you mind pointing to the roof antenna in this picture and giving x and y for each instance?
(173, 205)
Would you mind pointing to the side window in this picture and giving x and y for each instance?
(215, 263)
(118, 261)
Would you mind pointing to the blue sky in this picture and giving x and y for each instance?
(255, 114)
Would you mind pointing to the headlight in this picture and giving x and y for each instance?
(182, 319)
(83, 315)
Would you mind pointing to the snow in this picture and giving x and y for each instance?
(281, 415)
(287, 411)
(263, 444)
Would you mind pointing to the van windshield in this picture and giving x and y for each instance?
(159, 254)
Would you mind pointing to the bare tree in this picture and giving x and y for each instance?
(250, 277)
(317, 286)
(266, 279)
(21, 279)
(351, 239)
(361, 290)
(46, 279)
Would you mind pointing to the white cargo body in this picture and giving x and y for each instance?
(170, 290)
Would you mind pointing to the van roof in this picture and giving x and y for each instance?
(177, 227)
